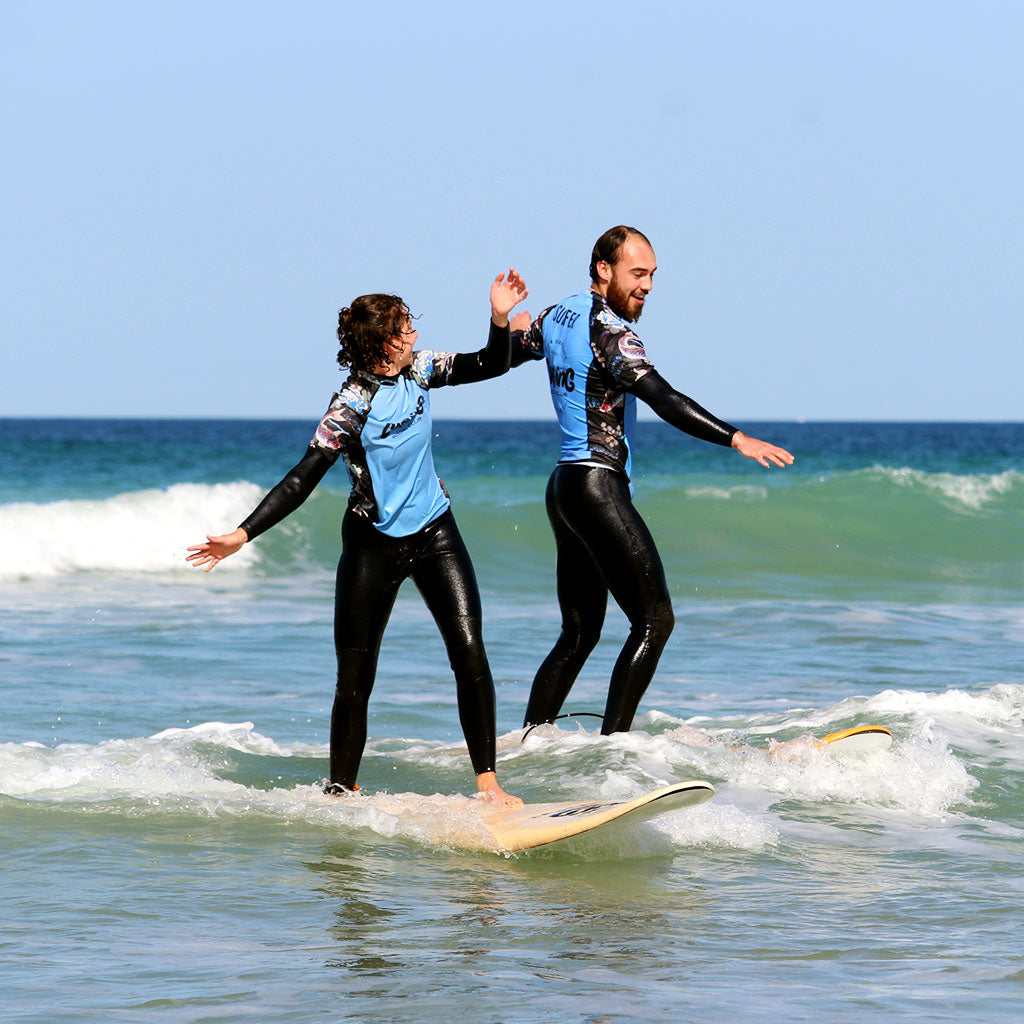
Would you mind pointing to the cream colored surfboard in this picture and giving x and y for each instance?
(521, 828)
(861, 739)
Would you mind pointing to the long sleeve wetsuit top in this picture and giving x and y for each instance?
(381, 428)
(597, 368)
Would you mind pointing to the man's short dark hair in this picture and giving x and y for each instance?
(606, 248)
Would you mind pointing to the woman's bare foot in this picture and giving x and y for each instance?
(337, 789)
(489, 790)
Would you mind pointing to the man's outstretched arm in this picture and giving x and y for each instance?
(688, 416)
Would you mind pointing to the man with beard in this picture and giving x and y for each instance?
(597, 368)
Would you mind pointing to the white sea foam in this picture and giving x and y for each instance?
(179, 770)
(167, 764)
(924, 780)
(137, 532)
(109, 771)
(929, 715)
(985, 724)
(916, 776)
(742, 492)
(963, 491)
(720, 825)
(997, 707)
(241, 736)
(919, 776)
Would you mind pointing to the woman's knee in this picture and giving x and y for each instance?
(580, 638)
(464, 642)
(356, 671)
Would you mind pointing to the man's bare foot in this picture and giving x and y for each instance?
(489, 790)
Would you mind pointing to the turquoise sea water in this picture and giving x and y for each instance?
(165, 854)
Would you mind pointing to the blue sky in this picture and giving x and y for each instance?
(833, 191)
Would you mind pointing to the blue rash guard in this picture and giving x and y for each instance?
(594, 360)
(381, 428)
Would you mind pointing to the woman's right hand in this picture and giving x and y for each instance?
(506, 293)
(216, 548)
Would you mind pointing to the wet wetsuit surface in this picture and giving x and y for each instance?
(597, 368)
(398, 526)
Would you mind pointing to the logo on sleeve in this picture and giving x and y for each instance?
(631, 345)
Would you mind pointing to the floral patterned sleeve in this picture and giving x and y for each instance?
(343, 421)
(432, 369)
(528, 345)
(619, 350)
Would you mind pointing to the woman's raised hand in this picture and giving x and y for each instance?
(506, 292)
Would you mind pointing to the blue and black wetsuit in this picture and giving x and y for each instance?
(398, 525)
(597, 368)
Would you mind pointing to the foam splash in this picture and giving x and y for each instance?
(971, 492)
(919, 776)
(923, 778)
(180, 771)
(169, 764)
(176, 771)
(740, 492)
(998, 707)
(974, 717)
(137, 532)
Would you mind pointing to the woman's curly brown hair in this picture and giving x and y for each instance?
(365, 328)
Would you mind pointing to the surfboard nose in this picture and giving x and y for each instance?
(532, 825)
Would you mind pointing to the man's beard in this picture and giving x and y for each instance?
(618, 299)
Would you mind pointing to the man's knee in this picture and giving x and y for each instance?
(656, 623)
(665, 618)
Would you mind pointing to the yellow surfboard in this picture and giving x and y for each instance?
(522, 828)
(861, 739)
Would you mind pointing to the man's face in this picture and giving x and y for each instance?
(630, 278)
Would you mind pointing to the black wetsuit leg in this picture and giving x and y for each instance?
(369, 575)
(443, 573)
(601, 537)
(371, 570)
(582, 600)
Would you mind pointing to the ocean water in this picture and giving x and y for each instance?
(166, 854)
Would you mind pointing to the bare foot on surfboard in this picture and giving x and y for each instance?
(489, 790)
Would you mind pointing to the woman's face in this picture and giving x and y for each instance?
(401, 347)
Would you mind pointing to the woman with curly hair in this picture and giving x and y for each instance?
(398, 523)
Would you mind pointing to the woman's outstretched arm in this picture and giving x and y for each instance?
(281, 501)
